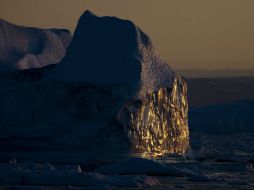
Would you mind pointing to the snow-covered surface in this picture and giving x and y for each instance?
(142, 166)
(110, 64)
(155, 72)
(109, 50)
(26, 47)
(234, 171)
(30, 173)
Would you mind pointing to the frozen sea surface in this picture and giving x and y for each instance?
(215, 162)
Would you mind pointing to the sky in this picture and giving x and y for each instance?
(188, 34)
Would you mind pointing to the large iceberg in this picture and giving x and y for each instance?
(110, 94)
(108, 50)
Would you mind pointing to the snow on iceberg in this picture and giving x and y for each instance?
(111, 82)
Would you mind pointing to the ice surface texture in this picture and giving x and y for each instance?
(111, 93)
(109, 50)
(30, 173)
(112, 51)
(27, 47)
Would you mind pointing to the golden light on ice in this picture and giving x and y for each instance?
(159, 125)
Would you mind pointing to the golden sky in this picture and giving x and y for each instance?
(209, 34)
